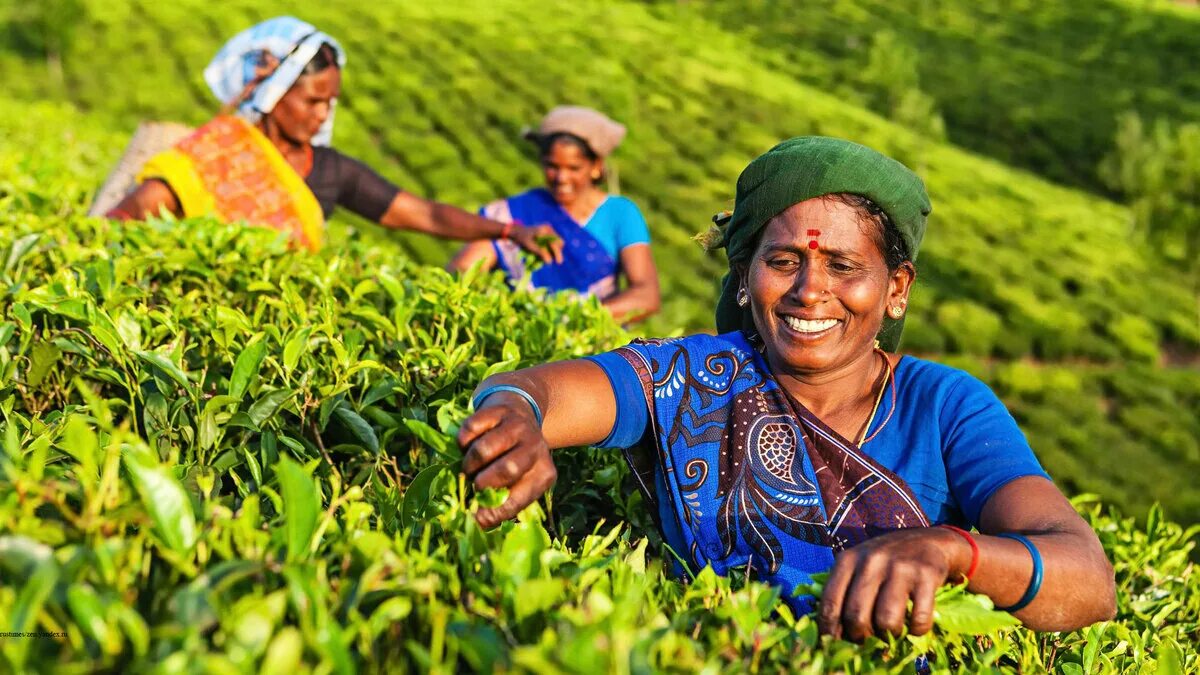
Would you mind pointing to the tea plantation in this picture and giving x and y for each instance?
(221, 455)
(1039, 85)
(1043, 291)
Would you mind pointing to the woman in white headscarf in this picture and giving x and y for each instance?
(266, 159)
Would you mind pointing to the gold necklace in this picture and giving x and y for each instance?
(888, 379)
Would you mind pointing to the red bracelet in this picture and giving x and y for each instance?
(974, 548)
(508, 228)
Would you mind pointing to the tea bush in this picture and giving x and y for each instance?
(1039, 85)
(220, 455)
(1158, 170)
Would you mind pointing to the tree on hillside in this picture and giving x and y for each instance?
(891, 72)
(45, 28)
(1157, 168)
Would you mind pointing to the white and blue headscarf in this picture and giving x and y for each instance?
(293, 42)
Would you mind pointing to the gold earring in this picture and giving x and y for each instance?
(743, 298)
(897, 312)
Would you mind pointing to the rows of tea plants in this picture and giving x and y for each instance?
(436, 95)
(1034, 84)
(220, 455)
(1014, 268)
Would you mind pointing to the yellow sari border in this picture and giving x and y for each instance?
(229, 169)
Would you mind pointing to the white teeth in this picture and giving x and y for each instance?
(806, 326)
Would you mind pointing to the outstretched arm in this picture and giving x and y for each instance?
(640, 298)
(870, 584)
(410, 212)
(506, 449)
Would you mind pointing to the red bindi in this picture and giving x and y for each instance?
(813, 242)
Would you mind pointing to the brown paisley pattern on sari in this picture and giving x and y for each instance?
(784, 480)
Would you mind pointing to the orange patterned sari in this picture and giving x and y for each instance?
(229, 169)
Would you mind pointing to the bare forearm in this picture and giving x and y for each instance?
(641, 295)
(505, 446)
(410, 212)
(147, 200)
(450, 222)
(575, 398)
(1077, 580)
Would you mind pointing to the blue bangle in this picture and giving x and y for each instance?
(1035, 580)
(537, 412)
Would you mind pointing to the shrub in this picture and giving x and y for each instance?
(969, 327)
(1158, 171)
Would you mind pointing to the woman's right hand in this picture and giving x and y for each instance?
(540, 240)
(506, 449)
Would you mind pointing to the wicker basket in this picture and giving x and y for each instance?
(150, 139)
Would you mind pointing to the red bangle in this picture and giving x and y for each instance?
(974, 548)
(508, 228)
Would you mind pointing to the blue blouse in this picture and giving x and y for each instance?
(950, 439)
(591, 250)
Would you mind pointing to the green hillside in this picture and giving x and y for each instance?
(1041, 290)
(1034, 84)
(1015, 268)
(437, 105)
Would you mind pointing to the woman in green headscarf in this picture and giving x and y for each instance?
(797, 441)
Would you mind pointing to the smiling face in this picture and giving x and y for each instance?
(570, 173)
(819, 287)
(305, 107)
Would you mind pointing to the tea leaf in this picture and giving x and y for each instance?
(416, 496)
(359, 427)
(246, 366)
(164, 499)
(20, 555)
(294, 349)
(440, 443)
(42, 359)
(20, 247)
(32, 595)
(267, 405)
(88, 611)
(166, 365)
(970, 614)
(300, 507)
(285, 652)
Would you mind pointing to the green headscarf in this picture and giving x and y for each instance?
(805, 167)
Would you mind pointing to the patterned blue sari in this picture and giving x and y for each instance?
(741, 475)
(586, 268)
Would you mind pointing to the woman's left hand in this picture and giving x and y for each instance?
(870, 585)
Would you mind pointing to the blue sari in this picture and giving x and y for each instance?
(586, 268)
(741, 475)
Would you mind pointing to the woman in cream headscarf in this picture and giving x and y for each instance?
(266, 160)
(604, 236)
(797, 441)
